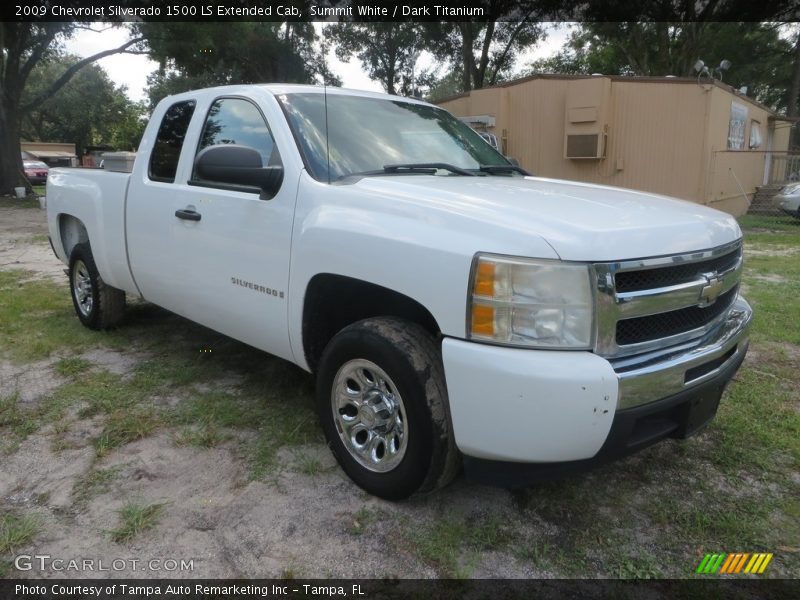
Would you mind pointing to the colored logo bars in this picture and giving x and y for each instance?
(734, 563)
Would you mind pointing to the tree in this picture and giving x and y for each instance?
(484, 51)
(23, 46)
(760, 56)
(793, 96)
(89, 110)
(387, 51)
(195, 55)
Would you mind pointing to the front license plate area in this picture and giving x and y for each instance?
(698, 412)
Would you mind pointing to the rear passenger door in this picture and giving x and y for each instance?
(226, 266)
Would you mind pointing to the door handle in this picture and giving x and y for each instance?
(188, 215)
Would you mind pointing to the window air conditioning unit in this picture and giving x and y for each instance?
(586, 145)
(587, 107)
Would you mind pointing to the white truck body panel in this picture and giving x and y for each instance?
(491, 387)
(97, 199)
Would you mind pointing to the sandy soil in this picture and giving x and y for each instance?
(21, 245)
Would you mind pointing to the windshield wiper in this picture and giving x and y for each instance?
(426, 168)
(492, 169)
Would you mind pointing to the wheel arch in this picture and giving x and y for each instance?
(71, 232)
(332, 302)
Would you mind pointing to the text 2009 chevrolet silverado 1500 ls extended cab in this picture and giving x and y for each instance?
(453, 308)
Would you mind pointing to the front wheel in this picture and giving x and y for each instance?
(97, 304)
(382, 400)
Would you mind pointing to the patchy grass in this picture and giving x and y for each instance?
(93, 483)
(125, 426)
(135, 518)
(453, 544)
(16, 531)
(204, 436)
(37, 319)
(16, 423)
(72, 367)
(27, 202)
(308, 464)
(360, 520)
(779, 222)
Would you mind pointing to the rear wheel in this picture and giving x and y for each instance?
(382, 401)
(97, 304)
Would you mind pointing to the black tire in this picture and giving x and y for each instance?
(411, 358)
(107, 304)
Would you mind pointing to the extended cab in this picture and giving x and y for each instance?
(454, 309)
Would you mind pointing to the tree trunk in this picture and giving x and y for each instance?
(794, 90)
(467, 58)
(11, 169)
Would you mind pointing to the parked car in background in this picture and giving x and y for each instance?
(788, 200)
(36, 171)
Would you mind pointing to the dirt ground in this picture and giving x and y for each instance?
(298, 522)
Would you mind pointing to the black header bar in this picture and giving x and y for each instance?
(397, 10)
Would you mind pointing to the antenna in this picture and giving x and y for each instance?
(327, 134)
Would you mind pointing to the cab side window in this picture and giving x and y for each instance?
(239, 122)
(169, 141)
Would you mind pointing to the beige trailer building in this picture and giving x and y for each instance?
(697, 140)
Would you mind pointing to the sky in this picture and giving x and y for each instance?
(132, 70)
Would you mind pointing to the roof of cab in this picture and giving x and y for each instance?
(293, 88)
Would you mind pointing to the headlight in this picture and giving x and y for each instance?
(525, 302)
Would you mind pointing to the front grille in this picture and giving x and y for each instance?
(653, 327)
(633, 281)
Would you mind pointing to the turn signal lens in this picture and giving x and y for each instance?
(483, 320)
(484, 279)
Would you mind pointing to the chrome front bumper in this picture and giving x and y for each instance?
(655, 375)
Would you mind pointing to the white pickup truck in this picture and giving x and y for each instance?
(454, 309)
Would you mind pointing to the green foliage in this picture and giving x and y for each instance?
(16, 532)
(388, 52)
(89, 110)
(483, 52)
(760, 57)
(194, 55)
(135, 518)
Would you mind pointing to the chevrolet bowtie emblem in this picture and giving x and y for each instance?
(711, 290)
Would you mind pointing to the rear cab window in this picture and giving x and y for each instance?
(169, 141)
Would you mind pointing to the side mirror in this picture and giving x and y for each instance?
(238, 166)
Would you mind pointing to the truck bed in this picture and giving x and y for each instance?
(96, 198)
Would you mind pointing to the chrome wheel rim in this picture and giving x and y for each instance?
(82, 288)
(369, 415)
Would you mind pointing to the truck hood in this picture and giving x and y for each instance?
(581, 222)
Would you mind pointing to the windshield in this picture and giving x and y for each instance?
(367, 134)
(34, 164)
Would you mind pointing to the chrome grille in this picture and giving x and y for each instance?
(654, 327)
(631, 281)
(650, 304)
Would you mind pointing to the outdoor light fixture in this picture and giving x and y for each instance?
(701, 69)
(724, 65)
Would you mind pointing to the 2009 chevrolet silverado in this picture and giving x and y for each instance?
(454, 309)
